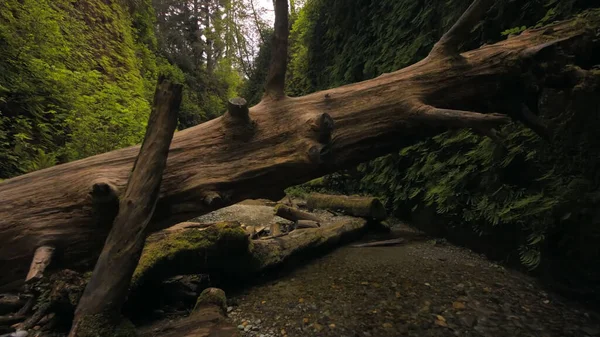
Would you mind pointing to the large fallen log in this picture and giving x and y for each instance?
(226, 249)
(282, 141)
(365, 207)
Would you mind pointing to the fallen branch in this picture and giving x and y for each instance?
(383, 243)
(294, 214)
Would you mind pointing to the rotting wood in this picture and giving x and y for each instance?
(366, 207)
(108, 286)
(371, 118)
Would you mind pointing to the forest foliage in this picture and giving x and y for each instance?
(535, 201)
(77, 77)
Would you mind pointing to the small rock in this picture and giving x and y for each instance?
(441, 323)
(331, 326)
(229, 309)
(318, 327)
(248, 327)
(258, 321)
(241, 327)
(283, 331)
(387, 325)
(458, 305)
(305, 320)
(468, 321)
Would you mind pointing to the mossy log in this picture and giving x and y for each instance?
(365, 207)
(226, 249)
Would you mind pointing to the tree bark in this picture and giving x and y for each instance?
(287, 141)
(107, 289)
(365, 207)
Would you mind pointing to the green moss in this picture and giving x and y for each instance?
(101, 325)
(186, 244)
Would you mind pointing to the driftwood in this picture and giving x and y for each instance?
(365, 207)
(383, 243)
(294, 214)
(107, 289)
(281, 142)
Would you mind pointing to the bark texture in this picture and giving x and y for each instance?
(107, 289)
(364, 207)
(285, 142)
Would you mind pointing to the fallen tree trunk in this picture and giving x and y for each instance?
(364, 207)
(282, 141)
(226, 249)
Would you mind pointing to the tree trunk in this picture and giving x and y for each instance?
(283, 142)
(364, 207)
(107, 289)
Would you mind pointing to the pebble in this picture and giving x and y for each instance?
(241, 327)
(248, 327)
(229, 309)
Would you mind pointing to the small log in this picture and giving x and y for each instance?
(41, 260)
(206, 320)
(294, 214)
(307, 224)
(365, 207)
(383, 243)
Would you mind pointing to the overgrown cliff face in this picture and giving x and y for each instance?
(76, 79)
(535, 200)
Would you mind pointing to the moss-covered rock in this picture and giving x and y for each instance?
(212, 296)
